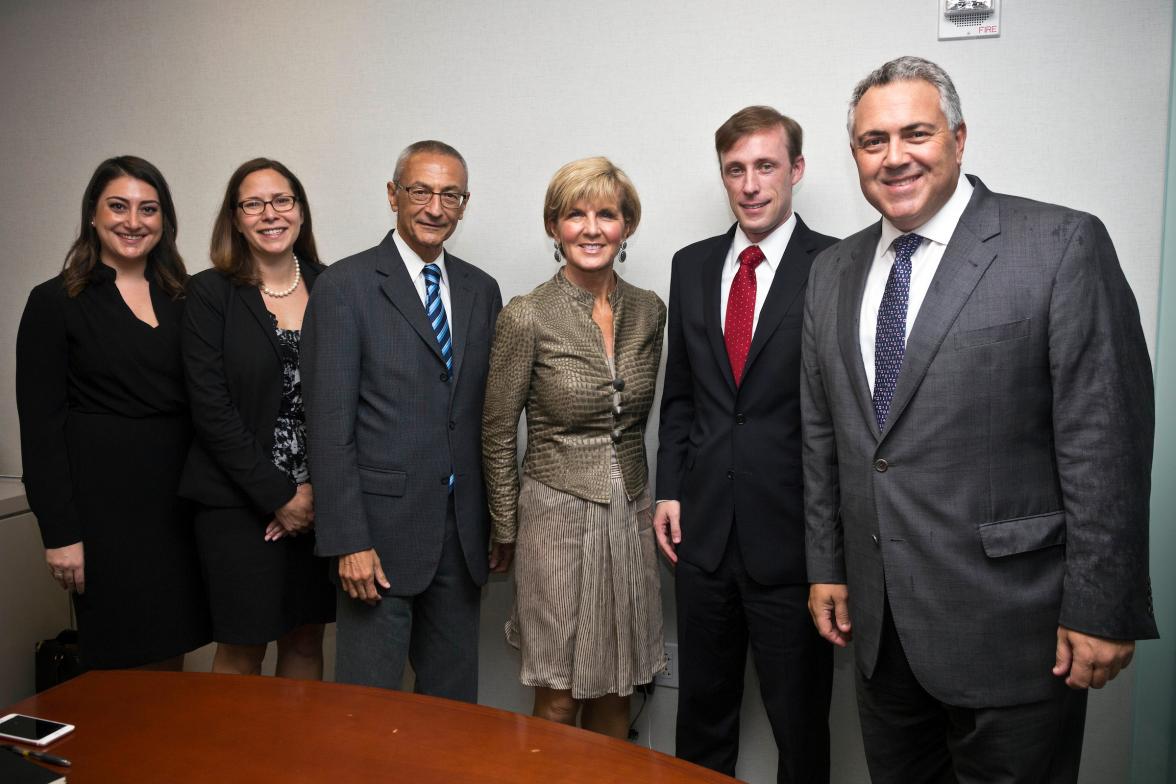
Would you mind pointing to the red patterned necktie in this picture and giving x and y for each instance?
(741, 310)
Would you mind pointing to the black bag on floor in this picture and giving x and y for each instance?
(58, 659)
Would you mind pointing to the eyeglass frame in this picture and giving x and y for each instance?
(269, 203)
(439, 194)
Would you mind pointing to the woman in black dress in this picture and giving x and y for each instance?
(247, 469)
(104, 425)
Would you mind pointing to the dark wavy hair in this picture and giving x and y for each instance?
(85, 253)
(230, 252)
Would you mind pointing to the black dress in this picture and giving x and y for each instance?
(104, 432)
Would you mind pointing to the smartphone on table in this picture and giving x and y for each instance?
(30, 729)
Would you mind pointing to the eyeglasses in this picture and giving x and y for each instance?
(282, 203)
(419, 194)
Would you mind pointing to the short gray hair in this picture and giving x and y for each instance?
(427, 145)
(905, 69)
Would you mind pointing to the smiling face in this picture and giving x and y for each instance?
(425, 227)
(128, 221)
(270, 235)
(590, 234)
(759, 176)
(908, 159)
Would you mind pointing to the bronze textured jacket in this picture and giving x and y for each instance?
(548, 357)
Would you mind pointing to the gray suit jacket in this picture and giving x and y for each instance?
(1009, 493)
(384, 421)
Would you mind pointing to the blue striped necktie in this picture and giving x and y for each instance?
(435, 312)
(890, 337)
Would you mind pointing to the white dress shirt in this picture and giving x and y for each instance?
(935, 233)
(416, 271)
(773, 247)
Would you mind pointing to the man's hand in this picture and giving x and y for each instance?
(667, 528)
(501, 555)
(68, 566)
(829, 606)
(359, 573)
(1087, 661)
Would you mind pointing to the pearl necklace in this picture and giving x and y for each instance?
(293, 286)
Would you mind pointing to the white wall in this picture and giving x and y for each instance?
(1069, 105)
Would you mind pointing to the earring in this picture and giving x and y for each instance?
(623, 254)
(556, 251)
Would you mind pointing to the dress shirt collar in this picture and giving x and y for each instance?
(772, 245)
(415, 265)
(942, 224)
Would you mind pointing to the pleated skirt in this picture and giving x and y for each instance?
(587, 613)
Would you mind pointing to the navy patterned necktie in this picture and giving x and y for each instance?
(890, 337)
(435, 312)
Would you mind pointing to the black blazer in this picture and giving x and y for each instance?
(731, 454)
(233, 367)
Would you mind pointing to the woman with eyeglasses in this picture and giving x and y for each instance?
(104, 425)
(247, 469)
(580, 356)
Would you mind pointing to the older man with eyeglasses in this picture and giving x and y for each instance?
(396, 345)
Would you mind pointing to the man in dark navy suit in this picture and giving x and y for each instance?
(396, 348)
(730, 511)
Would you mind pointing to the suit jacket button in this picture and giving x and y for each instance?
(874, 538)
(740, 419)
(880, 465)
(452, 425)
(445, 480)
(444, 376)
(618, 384)
(616, 436)
(730, 474)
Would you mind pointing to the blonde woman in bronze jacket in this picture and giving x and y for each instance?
(580, 355)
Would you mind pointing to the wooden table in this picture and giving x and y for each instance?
(135, 726)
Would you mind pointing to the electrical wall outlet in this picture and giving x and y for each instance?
(669, 676)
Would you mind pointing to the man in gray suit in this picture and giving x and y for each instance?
(395, 349)
(978, 419)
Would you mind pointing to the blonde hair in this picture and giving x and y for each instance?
(594, 179)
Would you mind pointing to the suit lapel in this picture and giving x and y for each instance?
(251, 296)
(461, 297)
(712, 292)
(398, 287)
(964, 262)
(787, 285)
(852, 286)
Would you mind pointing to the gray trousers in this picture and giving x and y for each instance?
(436, 631)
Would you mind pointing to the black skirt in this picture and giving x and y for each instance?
(257, 590)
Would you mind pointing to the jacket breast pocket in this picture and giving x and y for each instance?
(1023, 534)
(997, 333)
(381, 481)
